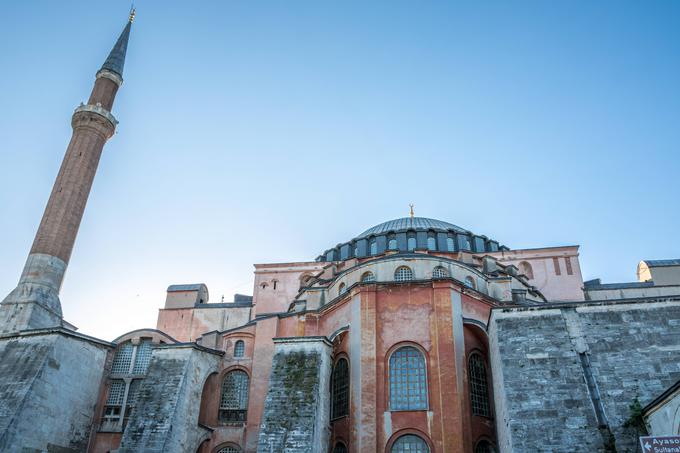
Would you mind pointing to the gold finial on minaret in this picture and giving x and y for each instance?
(412, 214)
(133, 11)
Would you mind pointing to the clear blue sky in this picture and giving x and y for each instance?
(269, 131)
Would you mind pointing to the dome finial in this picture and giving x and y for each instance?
(133, 11)
(411, 213)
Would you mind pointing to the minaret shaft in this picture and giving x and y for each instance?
(34, 303)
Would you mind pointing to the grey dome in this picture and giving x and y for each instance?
(411, 223)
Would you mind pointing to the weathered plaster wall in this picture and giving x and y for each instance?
(165, 418)
(296, 412)
(276, 285)
(542, 399)
(665, 420)
(188, 324)
(48, 390)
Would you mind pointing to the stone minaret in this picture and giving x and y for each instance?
(34, 303)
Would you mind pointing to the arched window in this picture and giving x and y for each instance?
(408, 380)
(479, 388)
(431, 243)
(340, 389)
(392, 244)
(342, 288)
(239, 348)
(368, 277)
(526, 269)
(411, 244)
(340, 448)
(123, 359)
(470, 282)
(484, 446)
(373, 247)
(410, 443)
(439, 272)
(230, 449)
(142, 358)
(234, 400)
(403, 274)
(450, 246)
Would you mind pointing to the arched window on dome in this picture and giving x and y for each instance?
(340, 448)
(403, 274)
(439, 272)
(411, 243)
(392, 243)
(342, 288)
(526, 269)
(340, 389)
(484, 446)
(479, 386)
(239, 349)
(431, 243)
(368, 277)
(410, 443)
(407, 380)
(450, 244)
(234, 398)
(373, 246)
(470, 282)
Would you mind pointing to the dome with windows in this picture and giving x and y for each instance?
(409, 234)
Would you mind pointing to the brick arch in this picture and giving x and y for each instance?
(226, 445)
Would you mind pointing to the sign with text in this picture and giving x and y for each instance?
(660, 444)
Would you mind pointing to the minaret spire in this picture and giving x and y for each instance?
(35, 303)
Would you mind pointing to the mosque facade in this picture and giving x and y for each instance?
(415, 336)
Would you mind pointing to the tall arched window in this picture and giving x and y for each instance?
(392, 244)
(239, 348)
(410, 443)
(450, 246)
(439, 272)
(342, 288)
(431, 243)
(340, 448)
(408, 380)
(403, 274)
(340, 389)
(234, 400)
(479, 387)
(368, 277)
(526, 269)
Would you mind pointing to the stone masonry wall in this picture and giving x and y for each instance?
(165, 418)
(543, 401)
(296, 412)
(49, 384)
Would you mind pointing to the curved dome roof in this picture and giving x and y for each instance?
(411, 223)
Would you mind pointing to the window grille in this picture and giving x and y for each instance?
(116, 393)
(142, 358)
(123, 359)
(408, 380)
(410, 444)
(484, 446)
(239, 348)
(403, 274)
(439, 272)
(340, 389)
(368, 277)
(479, 389)
(229, 450)
(133, 393)
(340, 448)
(234, 400)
